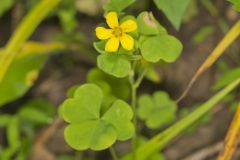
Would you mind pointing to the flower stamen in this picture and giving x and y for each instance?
(117, 32)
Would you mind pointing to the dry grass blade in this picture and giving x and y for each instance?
(217, 52)
(232, 138)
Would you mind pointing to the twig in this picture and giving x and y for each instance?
(39, 145)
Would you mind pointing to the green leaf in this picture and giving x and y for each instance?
(4, 120)
(117, 5)
(89, 128)
(5, 5)
(71, 90)
(114, 65)
(157, 110)
(99, 46)
(34, 115)
(227, 78)
(148, 25)
(96, 135)
(13, 132)
(202, 34)
(68, 20)
(119, 116)
(66, 12)
(20, 77)
(236, 4)
(162, 47)
(173, 9)
(150, 71)
(121, 91)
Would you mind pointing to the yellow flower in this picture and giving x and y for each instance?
(117, 33)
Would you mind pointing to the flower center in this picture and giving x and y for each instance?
(117, 32)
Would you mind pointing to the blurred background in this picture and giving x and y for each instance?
(73, 23)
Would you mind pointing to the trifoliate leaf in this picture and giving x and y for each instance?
(156, 110)
(161, 47)
(90, 129)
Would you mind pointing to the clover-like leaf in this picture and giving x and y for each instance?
(114, 65)
(156, 110)
(90, 129)
(161, 47)
(148, 25)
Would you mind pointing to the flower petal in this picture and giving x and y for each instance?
(127, 42)
(112, 19)
(112, 45)
(129, 26)
(103, 33)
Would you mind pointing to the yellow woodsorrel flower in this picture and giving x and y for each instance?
(117, 33)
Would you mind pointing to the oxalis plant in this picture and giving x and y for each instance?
(98, 112)
(107, 108)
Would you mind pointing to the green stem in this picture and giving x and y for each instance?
(134, 103)
(23, 32)
(113, 153)
(134, 85)
(140, 78)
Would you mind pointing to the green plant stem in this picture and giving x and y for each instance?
(134, 104)
(113, 153)
(23, 32)
(134, 86)
(140, 78)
